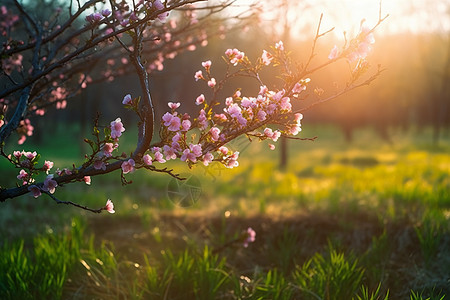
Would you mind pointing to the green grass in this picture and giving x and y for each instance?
(363, 221)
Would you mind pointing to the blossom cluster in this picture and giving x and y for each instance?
(7, 20)
(241, 115)
(125, 16)
(359, 48)
(171, 41)
(202, 137)
(28, 160)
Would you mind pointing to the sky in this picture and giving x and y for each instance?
(404, 15)
(416, 16)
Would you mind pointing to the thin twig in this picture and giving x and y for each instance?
(99, 210)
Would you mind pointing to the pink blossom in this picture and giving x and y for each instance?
(207, 158)
(278, 95)
(133, 16)
(285, 104)
(159, 157)
(109, 207)
(212, 82)
(185, 125)
(221, 117)
(215, 132)
(128, 166)
(176, 146)
(271, 146)
(366, 39)
(108, 148)
(206, 65)
(279, 46)
(98, 164)
(223, 150)
(298, 117)
(232, 163)
(174, 124)
(22, 175)
(50, 184)
(246, 102)
(17, 154)
(196, 149)
(200, 99)
(235, 56)
(163, 17)
(334, 53)
(169, 152)
(34, 190)
(266, 58)
(157, 4)
(147, 159)
(90, 18)
(30, 155)
(363, 50)
(298, 88)
(127, 100)
(202, 120)
(174, 105)
(167, 118)
(94, 18)
(276, 135)
(242, 121)
(171, 121)
(198, 75)
(234, 110)
(117, 128)
(47, 166)
(97, 17)
(106, 12)
(261, 115)
(87, 180)
(188, 155)
(229, 101)
(249, 237)
(176, 138)
(294, 130)
(268, 132)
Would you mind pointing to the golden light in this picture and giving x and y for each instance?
(415, 16)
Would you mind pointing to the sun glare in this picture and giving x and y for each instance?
(414, 16)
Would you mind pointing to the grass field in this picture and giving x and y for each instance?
(368, 220)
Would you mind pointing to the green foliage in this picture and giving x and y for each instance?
(365, 295)
(419, 296)
(273, 285)
(376, 258)
(330, 277)
(389, 206)
(283, 249)
(40, 272)
(185, 276)
(430, 235)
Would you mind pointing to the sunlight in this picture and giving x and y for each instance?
(414, 16)
(404, 15)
